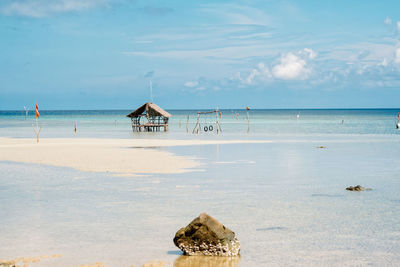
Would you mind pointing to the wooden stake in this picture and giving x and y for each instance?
(216, 120)
(37, 131)
(197, 127)
(248, 121)
(187, 124)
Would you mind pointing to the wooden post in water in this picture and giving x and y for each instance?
(26, 111)
(216, 120)
(197, 127)
(37, 130)
(217, 124)
(248, 121)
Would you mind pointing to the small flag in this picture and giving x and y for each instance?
(37, 110)
(247, 108)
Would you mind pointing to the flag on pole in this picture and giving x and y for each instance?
(37, 110)
(247, 108)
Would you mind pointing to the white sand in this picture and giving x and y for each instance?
(122, 157)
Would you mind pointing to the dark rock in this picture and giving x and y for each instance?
(207, 236)
(357, 188)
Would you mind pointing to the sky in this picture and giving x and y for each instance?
(102, 54)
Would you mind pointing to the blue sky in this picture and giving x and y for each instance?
(101, 54)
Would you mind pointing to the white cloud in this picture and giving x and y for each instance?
(397, 56)
(261, 71)
(264, 70)
(237, 14)
(230, 53)
(388, 21)
(43, 8)
(202, 85)
(398, 26)
(291, 67)
(311, 53)
(252, 75)
(191, 84)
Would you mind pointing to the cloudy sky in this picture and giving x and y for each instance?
(102, 54)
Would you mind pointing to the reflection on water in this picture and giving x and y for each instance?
(327, 195)
(271, 228)
(206, 261)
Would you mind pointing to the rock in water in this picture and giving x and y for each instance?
(357, 188)
(207, 236)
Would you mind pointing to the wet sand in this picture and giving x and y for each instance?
(121, 157)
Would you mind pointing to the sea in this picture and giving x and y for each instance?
(285, 200)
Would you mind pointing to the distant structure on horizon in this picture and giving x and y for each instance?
(149, 118)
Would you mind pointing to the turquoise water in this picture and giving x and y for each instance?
(285, 200)
(261, 123)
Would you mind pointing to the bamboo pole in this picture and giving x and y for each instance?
(26, 111)
(248, 121)
(187, 124)
(216, 120)
(37, 130)
(197, 127)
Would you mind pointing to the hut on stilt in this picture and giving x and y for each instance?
(149, 118)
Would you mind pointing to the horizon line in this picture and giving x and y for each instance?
(364, 108)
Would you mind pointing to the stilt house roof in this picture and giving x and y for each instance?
(151, 110)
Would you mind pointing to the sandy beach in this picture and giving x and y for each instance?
(121, 157)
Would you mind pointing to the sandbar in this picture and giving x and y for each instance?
(121, 157)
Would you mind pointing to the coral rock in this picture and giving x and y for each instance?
(207, 236)
(357, 188)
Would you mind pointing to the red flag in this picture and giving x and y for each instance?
(247, 108)
(37, 110)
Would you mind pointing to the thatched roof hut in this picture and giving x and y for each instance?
(151, 110)
(156, 118)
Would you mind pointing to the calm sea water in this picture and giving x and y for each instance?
(261, 123)
(285, 200)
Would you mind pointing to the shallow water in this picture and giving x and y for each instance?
(234, 123)
(286, 201)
